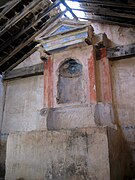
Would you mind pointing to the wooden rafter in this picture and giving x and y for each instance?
(37, 69)
(30, 25)
(17, 33)
(51, 20)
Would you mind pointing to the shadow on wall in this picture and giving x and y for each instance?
(2, 158)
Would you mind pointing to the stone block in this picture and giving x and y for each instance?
(61, 155)
(104, 114)
(75, 116)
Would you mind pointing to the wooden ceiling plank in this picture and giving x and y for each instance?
(105, 3)
(18, 17)
(105, 11)
(95, 10)
(8, 7)
(34, 70)
(110, 20)
(121, 51)
(21, 60)
(31, 25)
(51, 20)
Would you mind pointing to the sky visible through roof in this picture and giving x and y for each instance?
(72, 4)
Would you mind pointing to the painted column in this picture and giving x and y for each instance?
(48, 83)
(105, 111)
(92, 77)
(106, 86)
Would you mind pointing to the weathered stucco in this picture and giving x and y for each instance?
(71, 117)
(82, 55)
(65, 154)
(22, 112)
(31, 60)
(118, 35)
(123, 78)
(24, 99)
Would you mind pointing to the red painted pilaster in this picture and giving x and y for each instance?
(92, 77)
(45, 84)
(48, 83)
(106, 77)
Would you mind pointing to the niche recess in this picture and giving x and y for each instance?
(70, 82)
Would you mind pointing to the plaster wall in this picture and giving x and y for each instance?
(24, 99)
(81, 54)
(58, 155)
(33, 59)
(123, 78)
(72, 114)
(117, 35)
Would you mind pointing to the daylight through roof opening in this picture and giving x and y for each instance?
(71, 4)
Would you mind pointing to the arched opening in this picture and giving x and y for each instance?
(70, 82)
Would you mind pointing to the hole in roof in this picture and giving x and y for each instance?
(72, 5)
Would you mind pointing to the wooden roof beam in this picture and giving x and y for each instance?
(34, 70)
(10, 5)
(18, 17)
(111, 4)
(110, 20)
(51, 20)
(117, 12)
(21, 59)
(119, 52)
(31, 25)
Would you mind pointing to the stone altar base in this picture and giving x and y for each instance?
(80, 154)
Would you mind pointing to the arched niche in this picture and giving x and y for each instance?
(70, 82)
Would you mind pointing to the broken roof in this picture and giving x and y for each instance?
(23, 20)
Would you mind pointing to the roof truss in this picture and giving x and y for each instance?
(22, 20)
